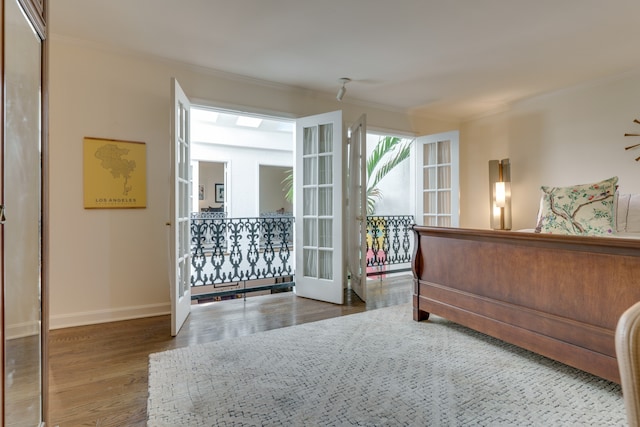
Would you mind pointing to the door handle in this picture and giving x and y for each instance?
(2, 217)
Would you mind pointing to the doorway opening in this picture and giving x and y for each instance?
(250, 157)
(272, 194)
(210, 184)
(242, 224)
(251, 147)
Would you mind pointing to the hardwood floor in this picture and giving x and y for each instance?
(98, 373)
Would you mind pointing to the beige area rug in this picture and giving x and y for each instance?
(377, 368)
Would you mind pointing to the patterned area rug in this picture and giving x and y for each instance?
(377, 368)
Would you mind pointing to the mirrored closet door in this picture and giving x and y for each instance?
(24, 331)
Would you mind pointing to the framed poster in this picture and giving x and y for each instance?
(115, 174)
(201, 192)
(219, 193)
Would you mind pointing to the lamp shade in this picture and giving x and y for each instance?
(500, 194)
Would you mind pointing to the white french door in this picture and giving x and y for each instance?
(319, 207)
(357, 208)
(438, 187)
(180, 240)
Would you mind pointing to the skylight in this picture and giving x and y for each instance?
(251, 122)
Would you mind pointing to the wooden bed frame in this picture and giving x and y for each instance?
(559, 296)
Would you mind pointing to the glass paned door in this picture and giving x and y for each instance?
(319, 203)
(438, 195)
(356, 208)
(180, 240)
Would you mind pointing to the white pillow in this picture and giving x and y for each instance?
(633, 214)
(622, 209)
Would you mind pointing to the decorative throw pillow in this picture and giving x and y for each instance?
(628, 213)
(586, 209)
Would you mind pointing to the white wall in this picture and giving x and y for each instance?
(272, 194)
(113, 264)
(568, 137)
(243, 172)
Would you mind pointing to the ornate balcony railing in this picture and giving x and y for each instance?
(229, 252)
(239, 255)
(389, 242)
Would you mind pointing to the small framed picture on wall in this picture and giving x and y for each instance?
(201, 192)
(219, 193)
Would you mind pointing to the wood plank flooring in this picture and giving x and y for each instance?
(98, 374)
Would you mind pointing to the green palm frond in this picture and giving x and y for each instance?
(373, 194)
(384, 146)
(397, 156)
(388, 153)
(287, 185)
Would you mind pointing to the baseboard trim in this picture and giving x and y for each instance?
(105, 316)
(21, 330)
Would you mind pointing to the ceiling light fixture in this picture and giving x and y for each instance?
(343, 89)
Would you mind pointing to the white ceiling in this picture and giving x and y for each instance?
(449, 58)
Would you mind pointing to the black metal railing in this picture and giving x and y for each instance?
(389, 243)
(229, 252)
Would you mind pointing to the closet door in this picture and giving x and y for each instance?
(23, 330)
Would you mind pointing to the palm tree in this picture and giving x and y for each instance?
(287, 185)
(388, 153)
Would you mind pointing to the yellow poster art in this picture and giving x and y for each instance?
(115, 174)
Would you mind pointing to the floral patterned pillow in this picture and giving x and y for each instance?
(586, 209)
